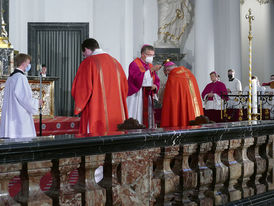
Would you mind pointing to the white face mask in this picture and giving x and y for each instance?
(149, 59)
(28, 67)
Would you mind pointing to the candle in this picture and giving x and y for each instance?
(254, 97)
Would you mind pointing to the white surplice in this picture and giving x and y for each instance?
(18, 108)
(235, 87)
(135, 101)
(216, 103)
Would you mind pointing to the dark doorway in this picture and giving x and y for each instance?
(59, 46)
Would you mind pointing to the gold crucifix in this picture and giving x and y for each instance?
(250, 18)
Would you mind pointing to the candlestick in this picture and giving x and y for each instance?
(250, 18)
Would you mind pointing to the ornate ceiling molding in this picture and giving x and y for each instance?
(260, 1)
(264, 1)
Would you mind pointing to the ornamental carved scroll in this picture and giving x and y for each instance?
(173, 18)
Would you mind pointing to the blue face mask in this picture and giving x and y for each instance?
(28, 67)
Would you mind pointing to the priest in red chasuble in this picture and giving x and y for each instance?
(182, 101)
(143, 84)
(99, 90)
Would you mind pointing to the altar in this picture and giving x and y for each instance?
(47, 92)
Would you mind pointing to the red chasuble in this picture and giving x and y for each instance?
(99, 90)
(182, 101)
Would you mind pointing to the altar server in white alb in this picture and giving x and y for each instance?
(234, 87)
(18, 104)
(233, 84)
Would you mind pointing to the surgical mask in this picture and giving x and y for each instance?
(230, 76)
(149, 59)
(28, 67)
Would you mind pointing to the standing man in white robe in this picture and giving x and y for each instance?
(18, 104)
(234, 87)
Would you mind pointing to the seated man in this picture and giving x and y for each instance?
(182, 101)
(212, 96)
(44, 70)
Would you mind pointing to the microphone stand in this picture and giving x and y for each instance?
(40, 107)
(39, 69)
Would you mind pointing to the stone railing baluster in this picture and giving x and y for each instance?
(220, 173)
(205, 175)
(169, 181)
(69, 175)
(10, 183)
(259, 165)
(189, 176)
(133, 174)
(270, 157)
(39, 182)
(235, 171)
(94, 194)
(247, 168)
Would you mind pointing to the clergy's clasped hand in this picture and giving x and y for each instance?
(156, 68)
(210, 94)
(153, 87)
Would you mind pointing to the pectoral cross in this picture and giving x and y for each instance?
(250, 19)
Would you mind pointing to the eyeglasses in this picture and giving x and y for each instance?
(150, 55)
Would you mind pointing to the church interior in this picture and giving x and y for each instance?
(223, 158)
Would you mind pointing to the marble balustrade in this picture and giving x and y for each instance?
(208, 165)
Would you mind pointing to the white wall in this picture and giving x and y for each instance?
(263, 41)
(121, 26)
(217, 39)
(227, 37)
(22, 12)
(204, 41)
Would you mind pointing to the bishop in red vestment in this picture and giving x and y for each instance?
(182, 101)
(99, 90)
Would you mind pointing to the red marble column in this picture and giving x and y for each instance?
(36, 171)
(10, 184)
(95, 194)
(68, 179)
